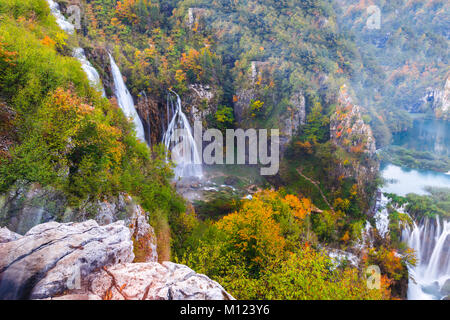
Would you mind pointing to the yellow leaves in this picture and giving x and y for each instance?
(115, 22)
(300, 207)
(346, 237)
(253, 231)
(180, 76)
(60, 39)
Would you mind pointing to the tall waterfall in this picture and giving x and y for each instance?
(431, 242)
(125, 100)
(90, 71)
(185, 154)
(60, 19)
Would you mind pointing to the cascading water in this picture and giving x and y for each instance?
(382, 216)
(60, 19)
(125, 100)
(431, 242)
(78, 53)
(184, 154)
(90, 71)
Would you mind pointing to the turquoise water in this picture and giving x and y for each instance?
(425, 135)
(402, 181)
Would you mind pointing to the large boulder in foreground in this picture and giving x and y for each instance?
(85, 261)
(154, 281)
(51, 258)
(6, 235)
(27, 205)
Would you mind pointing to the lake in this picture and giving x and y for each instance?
(425, 135)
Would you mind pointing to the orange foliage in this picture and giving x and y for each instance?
(47, 41)
(6, 55)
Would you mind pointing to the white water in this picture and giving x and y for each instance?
(60, 19)
(185, 154)
(125, 100)
(91, 72)
(431, 242)
(382, 216)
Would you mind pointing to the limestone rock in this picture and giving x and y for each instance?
(136, 219)
(201, 101)
(6, 235)
(27, 205)
(54, 257)
(293, 118)
(154, 281)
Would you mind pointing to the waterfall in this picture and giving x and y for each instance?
(382, 216)
(431, 241)
(60, 19)
(91, 72)
(185, 154)
(125, 100)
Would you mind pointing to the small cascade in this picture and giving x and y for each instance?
(60, 19)
(185, 154)
(92, 74)
(382, 216)
(431, 241)
(90, 71)
(125, 100)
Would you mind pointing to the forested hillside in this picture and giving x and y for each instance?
(404, 62)
(334, 89)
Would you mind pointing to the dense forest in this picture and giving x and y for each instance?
(335, 89)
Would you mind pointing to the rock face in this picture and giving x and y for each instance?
(194, 17)
(355, 142)
(291, 121)
(201, 101)
(440, 100)
(86, 261)
(147, 108)
(52, 257)
(6, 235)
(249, 90)
(26, 206)
(154, 281)
(124, 208)
(348, 129)
(436, 100)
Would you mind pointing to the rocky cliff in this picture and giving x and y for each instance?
(257, 85)
(81, 261)
(355, 141)
(438, 100)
